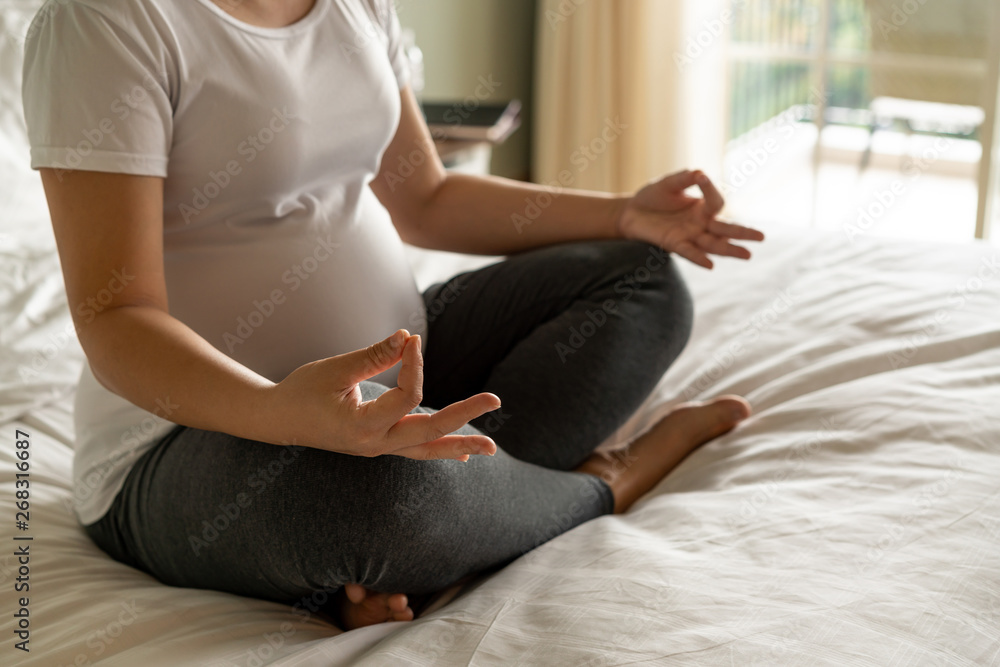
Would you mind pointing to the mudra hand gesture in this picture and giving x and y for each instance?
(661, 213)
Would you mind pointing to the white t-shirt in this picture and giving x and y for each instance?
(276, 250)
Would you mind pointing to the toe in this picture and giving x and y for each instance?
(738, 406)
(356, 593)
(715, 417)
(398, 602)
(364, 607)
(405, 615)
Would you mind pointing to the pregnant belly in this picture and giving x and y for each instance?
(276, 304)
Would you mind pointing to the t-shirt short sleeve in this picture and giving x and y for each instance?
(95, 97)
(389, 20)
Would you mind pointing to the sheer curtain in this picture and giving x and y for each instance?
(626, 90)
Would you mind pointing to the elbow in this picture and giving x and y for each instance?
(414, 222)
(102, 333)
(412, 233)
(417, 210)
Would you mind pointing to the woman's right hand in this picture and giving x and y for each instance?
(325, 399)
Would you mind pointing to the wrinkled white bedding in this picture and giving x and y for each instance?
(854, 520)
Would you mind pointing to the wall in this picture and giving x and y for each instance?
(465, 40)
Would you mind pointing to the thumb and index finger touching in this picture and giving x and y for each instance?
(714, 203)
(674, 185)
(389, 412)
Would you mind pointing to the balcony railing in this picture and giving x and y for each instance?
(836, 62)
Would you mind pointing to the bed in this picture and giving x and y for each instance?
(853, 520)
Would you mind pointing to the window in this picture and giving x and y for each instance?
(874, 117)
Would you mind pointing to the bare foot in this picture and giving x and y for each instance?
(632, 472)
(360, 607)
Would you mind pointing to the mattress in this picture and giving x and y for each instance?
(854, 519)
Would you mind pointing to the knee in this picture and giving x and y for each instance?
(650, 284)
(638, 265)
(674, 306)
(425, 515)
(416, 498)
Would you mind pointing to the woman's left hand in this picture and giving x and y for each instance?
(663, 215)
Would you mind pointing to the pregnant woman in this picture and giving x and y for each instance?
(270, 407)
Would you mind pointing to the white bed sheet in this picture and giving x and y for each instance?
(854, 520)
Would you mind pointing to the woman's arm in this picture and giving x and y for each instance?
(489, 215)
(109, 232)
(486, 215)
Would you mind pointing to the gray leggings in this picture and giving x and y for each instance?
(572, 337)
